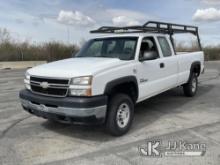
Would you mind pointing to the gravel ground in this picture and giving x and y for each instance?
(26, 139)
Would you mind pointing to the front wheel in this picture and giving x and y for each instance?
(120, 114)
(191, 87)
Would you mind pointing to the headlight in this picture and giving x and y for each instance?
(80, 92)
(87, 80)
(27, 76)
(81, 86)
(27, 81)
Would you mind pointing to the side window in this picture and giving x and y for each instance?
(165, 47)
(149, 48)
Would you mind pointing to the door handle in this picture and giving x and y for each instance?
(162, 65)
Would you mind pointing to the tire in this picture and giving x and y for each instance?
(191, 87)
(120, 114)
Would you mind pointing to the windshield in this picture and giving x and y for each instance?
(120, 47)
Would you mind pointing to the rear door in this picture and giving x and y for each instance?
(169, 63)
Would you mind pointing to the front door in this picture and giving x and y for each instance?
(158, 74)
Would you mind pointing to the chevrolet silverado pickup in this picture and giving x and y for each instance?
(111, 73)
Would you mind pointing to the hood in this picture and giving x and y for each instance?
(75, 67)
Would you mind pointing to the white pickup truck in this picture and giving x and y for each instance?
(111, 74)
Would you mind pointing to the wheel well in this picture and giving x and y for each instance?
(129, 88)
(196, 69)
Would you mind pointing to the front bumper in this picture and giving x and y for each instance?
(91, 110)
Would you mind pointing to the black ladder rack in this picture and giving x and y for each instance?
(152, 27)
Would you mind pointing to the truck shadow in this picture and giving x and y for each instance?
(146, 113)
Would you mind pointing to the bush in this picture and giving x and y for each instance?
(211, 52)
(17, 51)
(26, 52)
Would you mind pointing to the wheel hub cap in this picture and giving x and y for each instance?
(123, 115)
(194, 85)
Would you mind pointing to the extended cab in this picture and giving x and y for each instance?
(112, 73)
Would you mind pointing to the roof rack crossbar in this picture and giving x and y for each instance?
(173, 27)
(151, 26)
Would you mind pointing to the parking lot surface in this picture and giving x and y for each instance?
(26, 139)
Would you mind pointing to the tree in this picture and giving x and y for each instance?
(4, 35)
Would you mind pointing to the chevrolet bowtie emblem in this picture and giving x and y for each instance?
(44, 85)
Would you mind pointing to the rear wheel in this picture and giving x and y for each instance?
(191, 87)
(120, 114)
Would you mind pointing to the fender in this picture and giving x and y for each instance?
(194, 64)
(128, 79)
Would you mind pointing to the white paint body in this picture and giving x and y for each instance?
(176, 71)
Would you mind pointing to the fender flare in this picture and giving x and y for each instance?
(128, 79)
(193, 65)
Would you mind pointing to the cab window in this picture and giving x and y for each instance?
(165, 47)
(148, 48)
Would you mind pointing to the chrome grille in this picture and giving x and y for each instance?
(49, 86)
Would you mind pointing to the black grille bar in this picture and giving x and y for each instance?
(55, 87)
(49, 91)
(50, 80)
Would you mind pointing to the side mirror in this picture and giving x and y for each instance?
(149, 55)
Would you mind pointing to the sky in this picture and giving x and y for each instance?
(70, 21)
